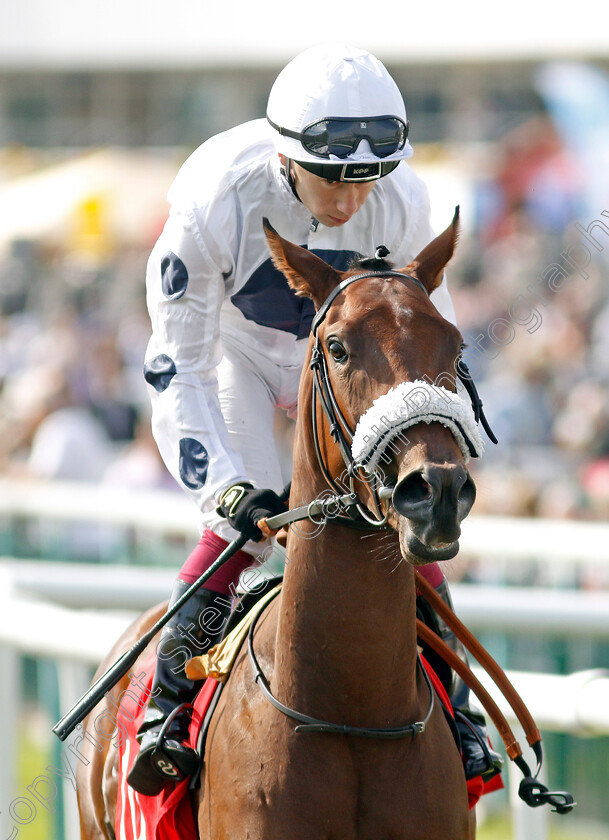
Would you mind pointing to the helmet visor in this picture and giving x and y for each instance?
(339, 137)
(349, 171)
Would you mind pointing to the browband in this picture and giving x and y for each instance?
(323, 309)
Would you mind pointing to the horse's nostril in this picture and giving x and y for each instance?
(410, 493)
(417, 489)
(433, 491)
(467, 497)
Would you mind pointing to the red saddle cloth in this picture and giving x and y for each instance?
(475, 787)
(169, 815)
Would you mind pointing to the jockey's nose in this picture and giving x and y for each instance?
(350, 199)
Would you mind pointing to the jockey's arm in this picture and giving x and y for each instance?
(185, 289)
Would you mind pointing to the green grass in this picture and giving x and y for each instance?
(31, 761)
(501, 828)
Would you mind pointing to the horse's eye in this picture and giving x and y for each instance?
(337, 350)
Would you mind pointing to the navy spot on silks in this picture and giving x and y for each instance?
(194, 461)
(159, 372)
(174, 276)
(267, 299)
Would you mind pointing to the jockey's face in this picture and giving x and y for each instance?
(331, 202)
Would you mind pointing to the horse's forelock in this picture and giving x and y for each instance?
(370, 264)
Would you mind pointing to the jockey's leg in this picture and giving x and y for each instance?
(479, 759)
(249, 389)
(197, 626)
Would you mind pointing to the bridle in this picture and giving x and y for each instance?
(340, 431)
(339, 428)
(342, 434)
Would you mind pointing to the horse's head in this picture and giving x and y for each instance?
(385, 364)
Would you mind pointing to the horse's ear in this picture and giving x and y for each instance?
(306, 273)
(429, 266)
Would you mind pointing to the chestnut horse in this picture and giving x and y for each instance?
(339, 643)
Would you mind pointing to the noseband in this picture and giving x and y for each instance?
(339, 428)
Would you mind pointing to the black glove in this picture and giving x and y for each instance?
(243, 506)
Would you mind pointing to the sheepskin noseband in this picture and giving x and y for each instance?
(404, 406)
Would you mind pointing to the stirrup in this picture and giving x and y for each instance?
(149, 777)
(160, 758)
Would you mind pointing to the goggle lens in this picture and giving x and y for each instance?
(341, 137)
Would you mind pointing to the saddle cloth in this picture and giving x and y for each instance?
(169, 815)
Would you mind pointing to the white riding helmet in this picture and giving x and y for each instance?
(336, 104)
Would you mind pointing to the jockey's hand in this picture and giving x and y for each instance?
(244, 506)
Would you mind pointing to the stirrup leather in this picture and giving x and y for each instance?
(493, 761)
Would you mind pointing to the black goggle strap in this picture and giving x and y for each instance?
(350, 172)
(345, 171)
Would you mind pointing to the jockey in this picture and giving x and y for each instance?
(327, 168)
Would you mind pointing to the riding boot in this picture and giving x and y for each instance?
(479, 759)
(163, 756)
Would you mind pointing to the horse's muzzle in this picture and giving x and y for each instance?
(434, 499)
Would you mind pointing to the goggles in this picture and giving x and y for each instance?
(340, 136)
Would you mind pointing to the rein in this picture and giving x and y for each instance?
(333, 507)
(531, 790)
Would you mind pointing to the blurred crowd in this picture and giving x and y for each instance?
(73, 330)
(536, 323)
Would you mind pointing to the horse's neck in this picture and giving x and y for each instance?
(346, 641)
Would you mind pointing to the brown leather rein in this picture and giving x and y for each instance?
(531, 790)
